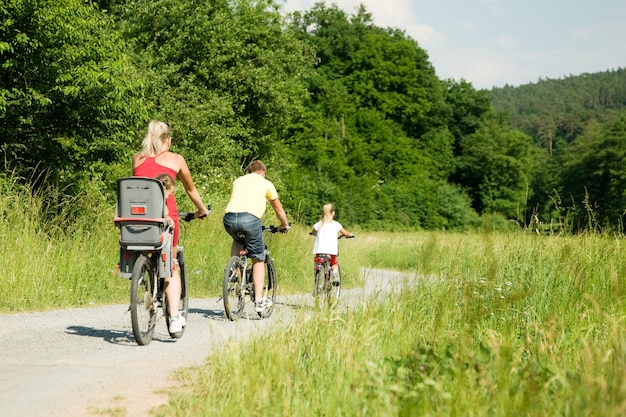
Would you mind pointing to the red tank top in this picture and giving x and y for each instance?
(151, 168)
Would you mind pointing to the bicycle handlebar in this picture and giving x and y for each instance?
(338, 237)
(274, 229)
(189, 216)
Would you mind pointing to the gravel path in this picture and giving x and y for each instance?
(83, 362)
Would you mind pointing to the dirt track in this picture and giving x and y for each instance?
(82, 362)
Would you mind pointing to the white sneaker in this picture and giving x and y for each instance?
(177, 323)
(263, 304)
(335, 277)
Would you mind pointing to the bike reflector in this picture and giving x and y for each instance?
(319, 260)
(137, 209)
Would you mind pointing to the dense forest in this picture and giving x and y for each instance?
(339, 109)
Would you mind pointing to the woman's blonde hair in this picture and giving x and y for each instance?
(327, 213)
(158, 133)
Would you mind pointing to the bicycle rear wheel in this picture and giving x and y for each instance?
(269, 289)
(143, 303)
(318, 289)
(233, 292)
(183, 304)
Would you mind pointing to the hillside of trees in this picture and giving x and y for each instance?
(339, 109)
(578, 124)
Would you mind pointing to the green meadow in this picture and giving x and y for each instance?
(500, 324)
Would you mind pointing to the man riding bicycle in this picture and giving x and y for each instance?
(248, 200)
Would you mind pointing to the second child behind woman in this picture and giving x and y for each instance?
(169, 185)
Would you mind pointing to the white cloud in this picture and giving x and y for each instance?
(582, 33)
(486, 68)
(426, 36)
(494, 7)
(506, 42)
(497, 42)
(467, 25)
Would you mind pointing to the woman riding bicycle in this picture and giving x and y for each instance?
(325, 232)
(155, 158)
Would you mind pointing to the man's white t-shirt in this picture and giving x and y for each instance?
(326, 238)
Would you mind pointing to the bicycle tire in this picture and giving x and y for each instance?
(143, 303)
(233, 293)
(318, 287)
(269, 288)
(183, 304)
(334, 292)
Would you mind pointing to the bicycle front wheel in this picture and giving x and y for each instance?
(233, 292)
(269, 289)
(143, 303)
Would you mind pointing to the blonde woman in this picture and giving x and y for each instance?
(154, 158)
(325, 232)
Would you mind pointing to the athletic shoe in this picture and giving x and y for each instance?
(177, 323)
(263, 304)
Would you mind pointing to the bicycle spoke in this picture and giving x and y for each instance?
(233, 293)
(269, 289)
(142, 303)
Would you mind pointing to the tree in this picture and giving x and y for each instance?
(496, 169)
(468, 108)
(70, 97)
(594, 176)
(377, 129)
(226, 74)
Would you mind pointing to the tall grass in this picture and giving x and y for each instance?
(515, 325)
(507, 324)
(54, 258)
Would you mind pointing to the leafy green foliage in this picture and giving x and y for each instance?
(69, 95)
(468, 107)
(594, 174)
(574, 122)
(561, 108)
(375, 140)
(497, 165)
(227, 77)
(341, 110)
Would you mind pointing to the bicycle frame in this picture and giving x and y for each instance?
(325, 291)
(238, 285)
(146, 255)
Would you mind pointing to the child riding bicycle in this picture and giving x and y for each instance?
(325, 232)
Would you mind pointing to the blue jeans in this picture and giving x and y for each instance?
(251, 227)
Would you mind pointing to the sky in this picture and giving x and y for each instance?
(493, 43)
